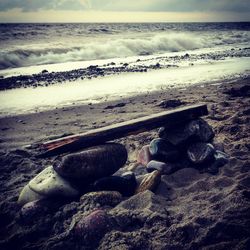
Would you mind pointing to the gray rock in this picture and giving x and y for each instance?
(220, 159)
(94, 163)
(27, 195)
(199, 153)
(164, 168)
(193, 131)
(49, 183)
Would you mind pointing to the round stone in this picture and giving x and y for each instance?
(28, 195)
(199, 153)
(164, 168)
(92, 227)
(193, 131)
(162, 150)
(144, 156)
(33, 210)
(93, 163)
(49, 183)
(122, 185)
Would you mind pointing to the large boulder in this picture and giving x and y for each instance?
(93, 163)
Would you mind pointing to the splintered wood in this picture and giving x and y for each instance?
(101, 135)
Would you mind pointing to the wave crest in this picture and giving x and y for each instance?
(112, 48)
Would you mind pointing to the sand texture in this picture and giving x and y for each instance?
(190, 209)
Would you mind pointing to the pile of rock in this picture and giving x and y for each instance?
(76, 172)
(92, 170)
(92, 178)
(192, 141)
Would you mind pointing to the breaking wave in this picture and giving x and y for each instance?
(110, 49)
(113, 47)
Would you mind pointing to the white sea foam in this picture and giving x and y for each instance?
(112, 46)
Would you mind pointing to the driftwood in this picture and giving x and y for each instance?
(98, 136)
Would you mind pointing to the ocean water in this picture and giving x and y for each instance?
(188, 53)
(25, 45)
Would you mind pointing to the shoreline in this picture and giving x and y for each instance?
(118, 86)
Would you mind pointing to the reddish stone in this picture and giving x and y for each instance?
(144, 156)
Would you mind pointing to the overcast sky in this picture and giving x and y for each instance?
(123, 10)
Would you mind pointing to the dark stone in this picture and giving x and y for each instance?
(93, 163)
(125, 186)
(221, 159)
(118, 105)
(129, 176)
(34, 210)
(246, 112)
(193, 131)
(171, 103)
(199, 153)
(162, 150)
(243, 91)
(92, 227)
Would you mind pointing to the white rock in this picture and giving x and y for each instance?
(28, 195)
(49, 183)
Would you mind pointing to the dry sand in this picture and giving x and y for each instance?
(190, 210)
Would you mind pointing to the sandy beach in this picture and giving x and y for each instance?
(191, 209)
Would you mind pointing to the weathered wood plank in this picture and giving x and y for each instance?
(119, 130)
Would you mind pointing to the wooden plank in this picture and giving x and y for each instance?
(98, 136)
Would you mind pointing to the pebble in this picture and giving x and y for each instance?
(199, 153)
(171, 103)
(94, 163)
(221, 158)
(162, 150)
(116, 183)
(33, 210)
(27, 195)
(144, 156)
(150, 182)
(92, 227)
(49, 183)
(164, 168)
(130, 176)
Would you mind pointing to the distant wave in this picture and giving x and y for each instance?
(112, 48)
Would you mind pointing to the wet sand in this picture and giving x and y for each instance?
(195, 210)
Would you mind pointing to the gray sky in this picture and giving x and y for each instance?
(124, 10)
